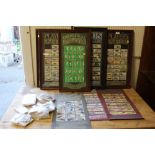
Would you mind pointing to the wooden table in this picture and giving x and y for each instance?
(144, 109)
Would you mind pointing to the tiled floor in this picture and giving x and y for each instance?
(11, 79)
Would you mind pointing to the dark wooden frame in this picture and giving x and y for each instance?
(38, 56)
(104, 54)
(129, 63)
(87, 88)
(40, 61)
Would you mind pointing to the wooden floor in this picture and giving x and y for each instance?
(144, 109)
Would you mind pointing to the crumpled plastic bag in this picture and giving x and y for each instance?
(39, 112)
(50, 105)
(21, 110)
(29, 99)
(44, 97)
(21, 119)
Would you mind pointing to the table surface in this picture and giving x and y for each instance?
(141, 105)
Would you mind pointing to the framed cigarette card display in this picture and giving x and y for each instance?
(119, 58)
(75, 60)
(118, 105)
(98, 55)
(47, 58)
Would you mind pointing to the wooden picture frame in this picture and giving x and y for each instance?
(98, 57)
(119, 58)
(75, 60)
(48, 50)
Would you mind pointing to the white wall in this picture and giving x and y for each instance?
(27, 55)
(30, 50)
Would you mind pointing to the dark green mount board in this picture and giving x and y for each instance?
(47, 58)
(98, 55)
(75, 61)
(119, 58)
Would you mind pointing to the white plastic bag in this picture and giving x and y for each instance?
(44, 97)
(39, 112)
(21, 119)
(21, 110)
(50, 105)
(29, 99)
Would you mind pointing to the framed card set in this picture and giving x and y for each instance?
(75, 60)
(83, 58)
(119, 58)
(96, 110)
(118, 105)
(47, 58)
(98, 56)
(71, 112)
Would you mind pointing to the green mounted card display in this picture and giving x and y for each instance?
(74, 61)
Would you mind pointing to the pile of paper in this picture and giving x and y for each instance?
(33, 108)
(21, 119)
